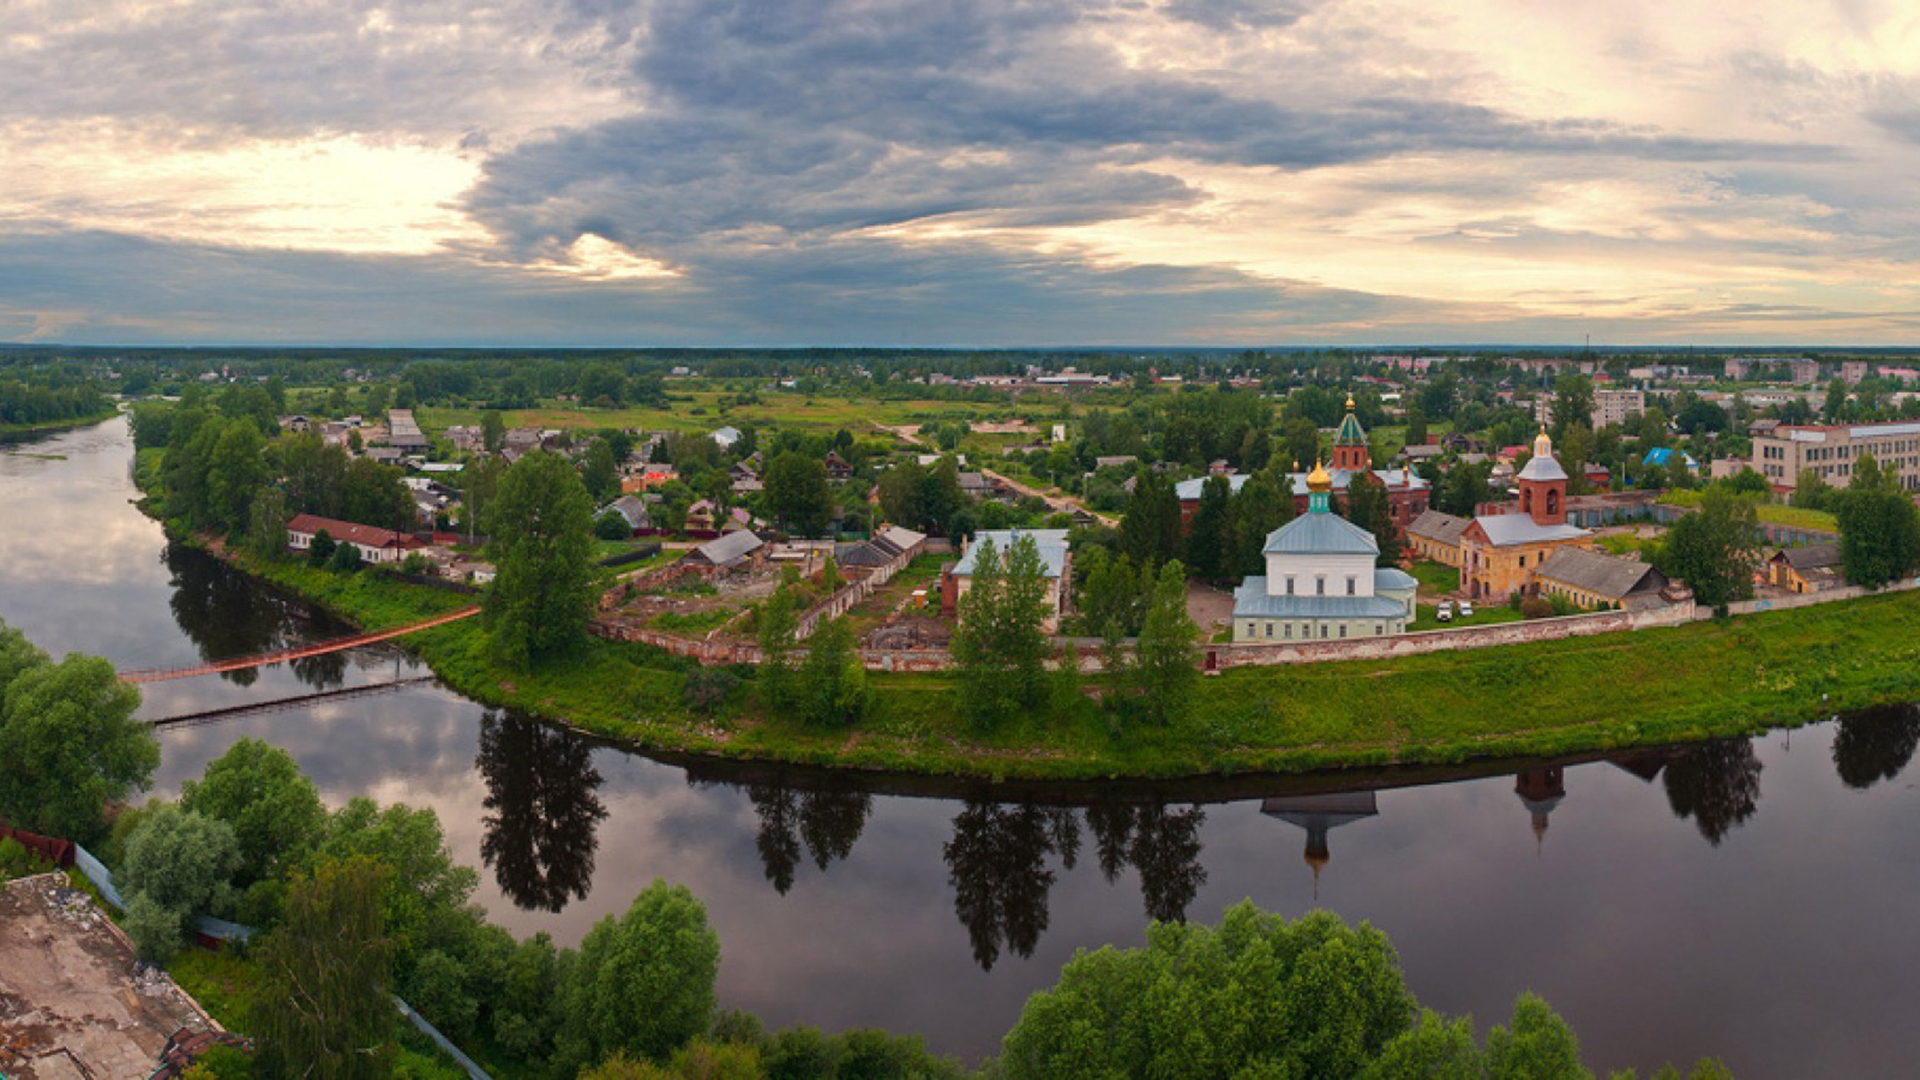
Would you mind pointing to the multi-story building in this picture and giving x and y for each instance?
(1830, 451)
(1852, 371)
(1609, 407)
(1804, 371)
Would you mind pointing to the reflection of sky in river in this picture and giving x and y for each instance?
(1782, 949)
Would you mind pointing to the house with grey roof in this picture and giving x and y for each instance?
(1056, 565)
(1321, 583)
(1592, 579)
(1810, 569)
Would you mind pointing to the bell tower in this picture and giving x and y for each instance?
(1350, 449)
(1543, 485)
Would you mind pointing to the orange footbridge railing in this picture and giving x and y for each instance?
(298, 652)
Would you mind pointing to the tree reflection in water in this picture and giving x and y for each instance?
(1717, 783)
(541, 788)
(1876, 744)
(827, 822)
(225, 615)
(1162, 843)
(996, 863)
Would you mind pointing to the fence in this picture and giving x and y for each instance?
(1800, 600)
(837, 604)
(220, 930)
(59, 852)
(1430, 641)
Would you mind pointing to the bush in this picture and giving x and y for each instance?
(707, 689)
(415, 563)
(345, 558)
(611, 526)
(155, 929)
(1536, 607)
(17, 861)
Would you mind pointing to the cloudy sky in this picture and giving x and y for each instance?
(960, 172)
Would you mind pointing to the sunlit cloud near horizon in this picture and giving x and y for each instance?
(966, 172)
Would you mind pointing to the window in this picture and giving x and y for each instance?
(1343, 629)
(1323, 630)
(1352, 584)
(1288, 631)
(1320, 586)
(1269, 629)
(1249, 629)
(1289, 584)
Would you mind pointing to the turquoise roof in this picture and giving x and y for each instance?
(1350, 432)
(1250, 601)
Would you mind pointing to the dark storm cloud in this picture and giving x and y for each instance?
(778, 136)
(847, 291)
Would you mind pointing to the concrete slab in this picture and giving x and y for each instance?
(74, 1001)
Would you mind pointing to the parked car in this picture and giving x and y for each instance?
(1444, 612)
(1466, 609)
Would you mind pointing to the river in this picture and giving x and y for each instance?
(1656, 901)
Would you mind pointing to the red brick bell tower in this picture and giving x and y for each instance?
(1543, 485)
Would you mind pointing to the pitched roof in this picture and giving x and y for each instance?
(1605, 575)
(730, 548)
(1250, 601)
(339, 531)
(1504, 530)
(1812, 557)
(1189, 490)
(1388, 577)
(1350, 433)
(1436, 525)
(1321, 534)
(1051, 543)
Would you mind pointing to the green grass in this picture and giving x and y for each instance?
(222, 982)
(1434, 577)
(1792, 517)
(693, 622)
(1483, 615)
(1583, 695)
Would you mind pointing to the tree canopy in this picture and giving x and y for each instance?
(542, 526)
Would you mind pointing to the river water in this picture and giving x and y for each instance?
(1661, 905)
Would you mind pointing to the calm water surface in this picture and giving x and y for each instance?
(1659, 902)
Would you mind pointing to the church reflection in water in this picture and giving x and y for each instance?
(1004, 858)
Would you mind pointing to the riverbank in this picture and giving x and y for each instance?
(18, 432)
(1585, 695)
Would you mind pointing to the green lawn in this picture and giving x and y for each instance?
(1581, 695)
(1792, 517)
(1483, 615)
(1434, 577)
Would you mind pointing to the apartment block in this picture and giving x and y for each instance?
(1829, 452)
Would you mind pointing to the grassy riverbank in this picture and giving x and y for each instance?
(1560, 697)
(17, 432)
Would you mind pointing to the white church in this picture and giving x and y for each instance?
(1321, 582)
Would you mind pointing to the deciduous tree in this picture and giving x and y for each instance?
(642, 982)
(323, 1006)
(542, 526)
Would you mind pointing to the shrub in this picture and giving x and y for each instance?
(1536, 607)
(707, 689)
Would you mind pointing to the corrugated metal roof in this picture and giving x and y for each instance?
(1505, 530)
(1051, 544)
(1250, 601)
(1321, 534)
(728, 548)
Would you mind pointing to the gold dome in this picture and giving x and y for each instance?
(1542, 444)
(1349, 401)
(1319, 479)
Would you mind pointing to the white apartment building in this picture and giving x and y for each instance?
(1609, 407)
(1829, 452)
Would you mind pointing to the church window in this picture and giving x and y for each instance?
(1343, 629)
(1289, 584)
(1269, 629)
(1351, 584)
(1320, 585)
(1287, 632)
(1323, 630)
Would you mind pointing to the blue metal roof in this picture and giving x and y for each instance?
(1250, 601)
(1321, 534)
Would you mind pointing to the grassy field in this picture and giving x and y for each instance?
(1483, 614)
(700, 410)
(1584, 695)
(1792, 517)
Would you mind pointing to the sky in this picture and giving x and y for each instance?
(1229, 173)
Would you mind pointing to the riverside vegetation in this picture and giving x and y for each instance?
(358, 903)
(212, 470)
